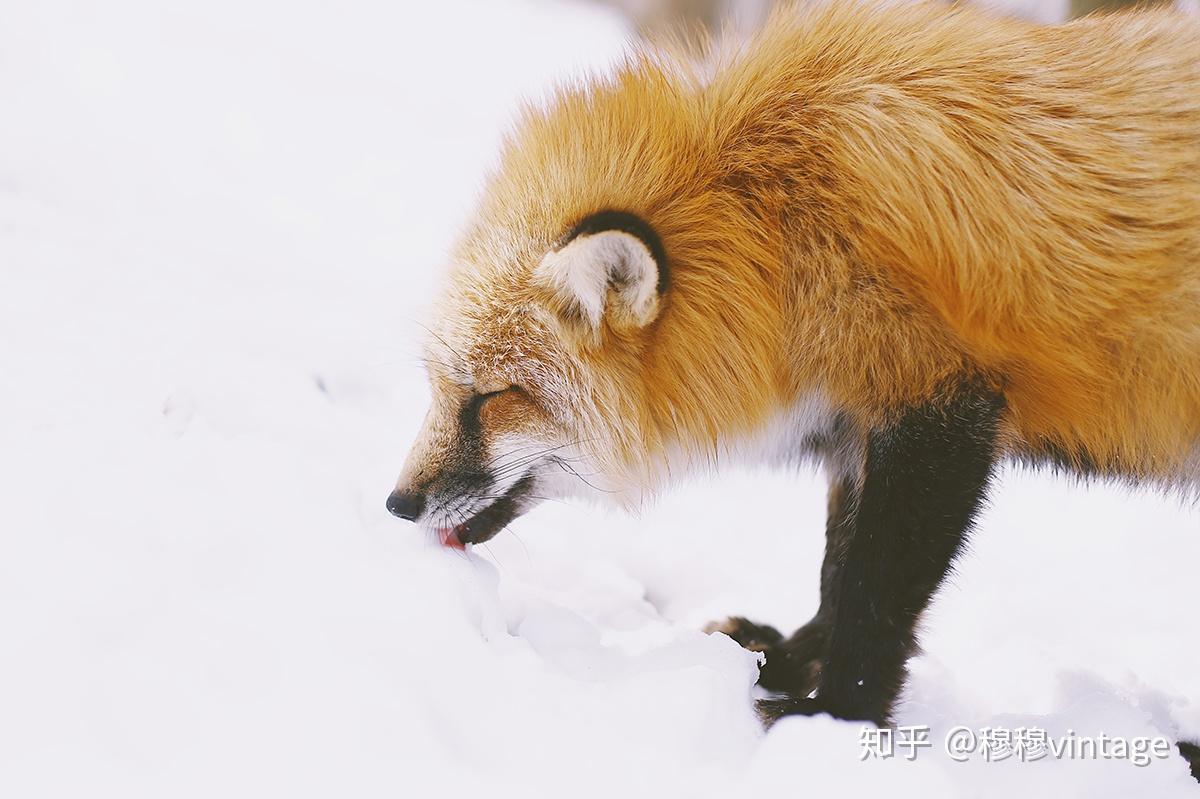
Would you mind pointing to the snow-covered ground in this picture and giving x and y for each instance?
(219, 224)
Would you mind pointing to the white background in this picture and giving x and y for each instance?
(219, 225)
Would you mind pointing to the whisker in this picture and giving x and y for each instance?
(427, 361)
(548, 450)
(508, 468)
(533, 455)
(525, 549)
(439, 338)
(567, 467)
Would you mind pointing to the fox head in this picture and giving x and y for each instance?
(518, 397)
(605, 315)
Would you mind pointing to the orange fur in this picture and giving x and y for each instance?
(865, 202)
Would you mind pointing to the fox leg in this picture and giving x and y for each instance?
(896, 520)
(793, 663)
(923, 479)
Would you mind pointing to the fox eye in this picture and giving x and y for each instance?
(481, 394)
(474, 403)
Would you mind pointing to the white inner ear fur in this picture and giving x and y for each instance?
(611, 268)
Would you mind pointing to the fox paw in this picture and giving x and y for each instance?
(774, 708)
(793, 665)
(748, 635)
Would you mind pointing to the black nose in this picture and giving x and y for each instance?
(406, 505)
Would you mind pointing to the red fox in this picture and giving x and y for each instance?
(908, 241)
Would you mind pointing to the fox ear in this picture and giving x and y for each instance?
(610, 269)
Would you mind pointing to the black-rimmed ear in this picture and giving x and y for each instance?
(610, 267)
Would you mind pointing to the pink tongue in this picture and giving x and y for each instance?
(449, 536)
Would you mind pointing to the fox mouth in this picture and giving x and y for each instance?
(487, 523)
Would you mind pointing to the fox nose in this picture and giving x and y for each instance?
(408, 505)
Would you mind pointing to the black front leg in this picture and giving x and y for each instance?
(793, 664)
(924, 477)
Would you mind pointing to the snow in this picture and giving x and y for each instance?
(220, 224)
